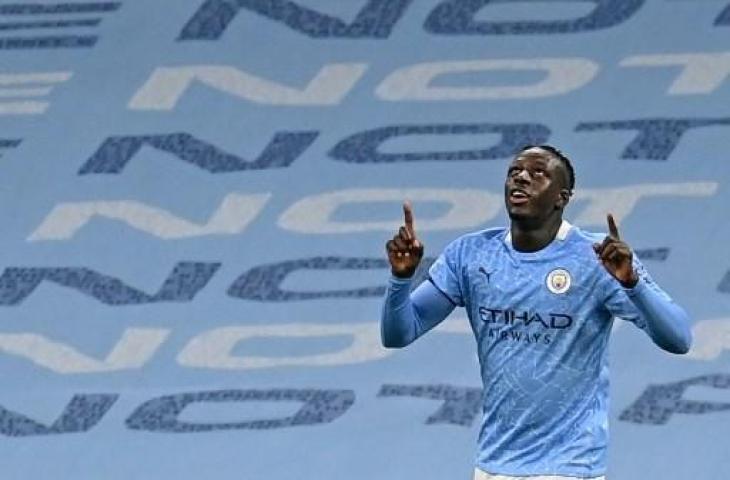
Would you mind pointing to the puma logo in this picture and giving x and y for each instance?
(486, 273)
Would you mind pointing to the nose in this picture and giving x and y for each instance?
(522, 176)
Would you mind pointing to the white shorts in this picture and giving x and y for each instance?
(482, 475)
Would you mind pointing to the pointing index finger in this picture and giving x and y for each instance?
(408, 217)
(612, 228)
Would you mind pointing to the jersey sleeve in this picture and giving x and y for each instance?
(651, 309)
(406, 316)
(618, 298)
(445, 273)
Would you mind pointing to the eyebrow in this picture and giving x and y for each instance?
(539, 158)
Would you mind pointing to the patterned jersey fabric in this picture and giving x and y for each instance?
(542, 322)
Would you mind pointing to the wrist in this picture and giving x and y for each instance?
(403, 275)
(631, 282)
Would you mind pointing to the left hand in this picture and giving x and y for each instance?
(616, 256)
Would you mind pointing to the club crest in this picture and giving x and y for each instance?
(558, 281)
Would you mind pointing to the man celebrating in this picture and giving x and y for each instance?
(540, 297)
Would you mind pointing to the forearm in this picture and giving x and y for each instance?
(406, 316)
(666, 322)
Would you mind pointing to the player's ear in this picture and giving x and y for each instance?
(563, 198)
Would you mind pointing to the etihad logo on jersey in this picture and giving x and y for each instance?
(517, 321)
(556, 321)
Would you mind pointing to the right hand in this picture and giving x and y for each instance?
(405, 250)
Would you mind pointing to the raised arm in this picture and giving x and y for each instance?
(405, 315)
(641, 301)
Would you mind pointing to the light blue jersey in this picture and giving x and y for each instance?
(542, 322)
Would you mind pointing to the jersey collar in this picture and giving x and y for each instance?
(563, 231)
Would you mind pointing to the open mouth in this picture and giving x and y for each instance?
(518, 197)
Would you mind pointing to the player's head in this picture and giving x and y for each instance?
(540, 181)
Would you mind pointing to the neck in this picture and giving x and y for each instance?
(531, 238)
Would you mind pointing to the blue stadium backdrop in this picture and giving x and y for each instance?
(195, 195)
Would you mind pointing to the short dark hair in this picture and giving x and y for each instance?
(560, 156)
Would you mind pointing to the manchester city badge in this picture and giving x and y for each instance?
(558, 281)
